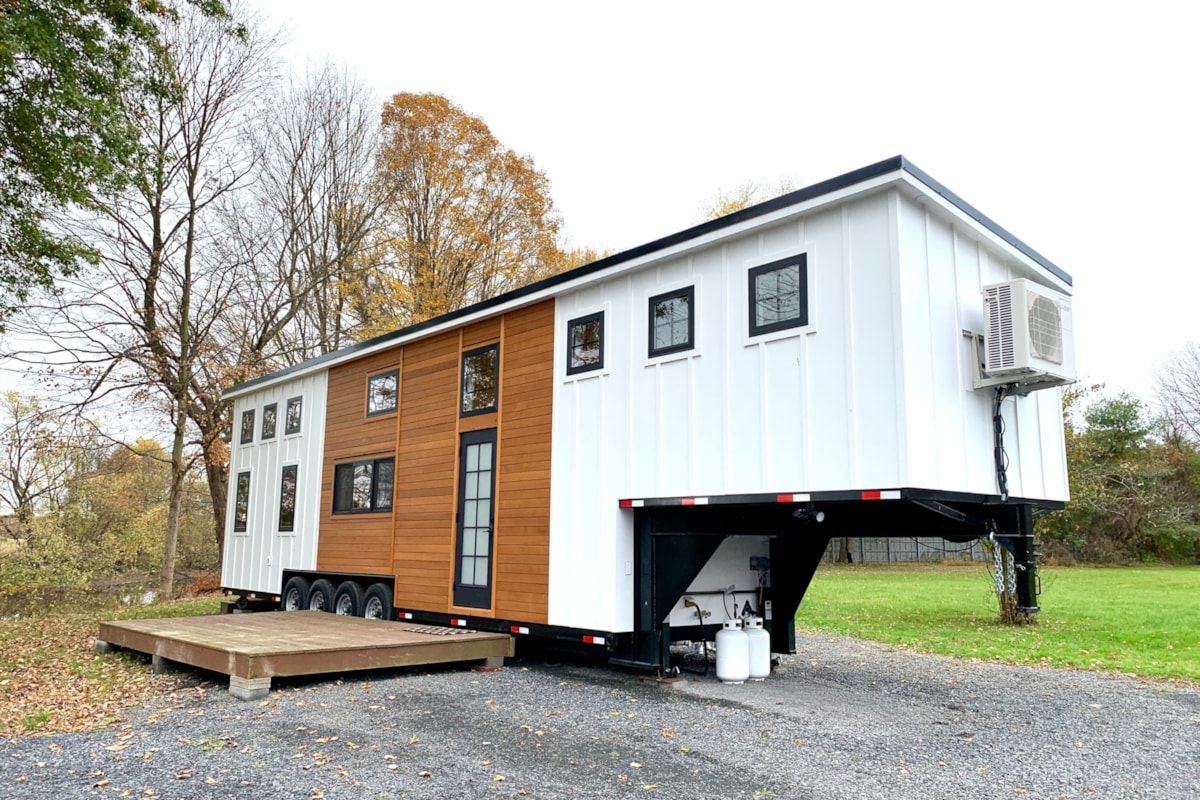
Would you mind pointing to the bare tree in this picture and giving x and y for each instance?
(1178, 388)
(34, 462)
(142, 323)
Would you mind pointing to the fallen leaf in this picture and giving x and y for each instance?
(498, 778)
(635, 765)
(424, 774)
(119, 746)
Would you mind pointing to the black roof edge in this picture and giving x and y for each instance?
(861, 175)
(984, 220)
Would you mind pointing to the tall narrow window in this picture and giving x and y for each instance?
(247, 427)
(779, 295)
(480, 380)
(585, 343)
(364, 486)
(673, 321)
(383, 392)
(292, 415)
(241, 502)
(287, 498)
(270, 418)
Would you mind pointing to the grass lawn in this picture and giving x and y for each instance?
(1136, 620)
(52, 680)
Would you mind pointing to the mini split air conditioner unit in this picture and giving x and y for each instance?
(1029, 337)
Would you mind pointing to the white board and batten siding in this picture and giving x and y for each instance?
(254, 560)
(875, 392)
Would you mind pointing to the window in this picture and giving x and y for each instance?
(241, 502)
(247, 427)
(585, 343)
(672, 322)
(287, 498)
(362, 486)
(270, 416)
(480, 380)
(779, 295)
(292, 416)
(383, 393)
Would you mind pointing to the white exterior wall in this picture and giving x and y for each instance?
(943, 270)
(875, 393)
(255, 560)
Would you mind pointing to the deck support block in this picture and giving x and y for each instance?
(249, 688)
(494, 661)
(103, 648)
(162, 666)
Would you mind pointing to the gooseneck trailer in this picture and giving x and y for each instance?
(622, 453)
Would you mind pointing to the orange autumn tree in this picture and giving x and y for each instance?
(467, 218)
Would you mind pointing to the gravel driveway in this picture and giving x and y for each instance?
(843, 719)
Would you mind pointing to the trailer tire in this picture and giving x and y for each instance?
(349, 599)
(320, 595)
(378, 603)
(295, 594)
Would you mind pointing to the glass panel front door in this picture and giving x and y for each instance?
(473, 579)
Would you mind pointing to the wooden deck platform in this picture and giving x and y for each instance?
(253, 648)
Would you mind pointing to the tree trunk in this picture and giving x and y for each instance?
(218, 491)
(843, 556)
(178, 473)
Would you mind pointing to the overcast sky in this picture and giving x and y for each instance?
(1076, 129)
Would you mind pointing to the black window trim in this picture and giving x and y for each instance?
(242, 437)
(690, 293)
(287, 427)
(244, 524)
(462, 381)
(800, 259)
(386, 373)
(275, 428)
(295, 468)
(375, 507)
(597, 316)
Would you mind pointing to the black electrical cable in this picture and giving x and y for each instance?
(998, 436)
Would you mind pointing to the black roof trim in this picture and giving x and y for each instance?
(861, 175)
(983, 219)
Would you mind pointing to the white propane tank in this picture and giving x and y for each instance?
(759, 642)
(733, 653)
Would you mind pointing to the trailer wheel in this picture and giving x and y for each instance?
(320, 596)
(378, 604)
(295, 592)
(349, 599)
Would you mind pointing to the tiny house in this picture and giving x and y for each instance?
(625, 453)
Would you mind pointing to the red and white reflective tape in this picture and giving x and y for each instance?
(893, 494)
(462, 623)
(404, 615)
(791, 498)
(593, 640)
(518, 629)
(633, 503)
(695, 501)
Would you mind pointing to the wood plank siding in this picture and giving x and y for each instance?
(416, 542)
(425, 473)
(356, 543)
(522, 555)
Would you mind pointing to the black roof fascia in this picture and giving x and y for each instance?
(861, 175)
(984, 220)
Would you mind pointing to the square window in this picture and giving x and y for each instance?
(585, 343)
(779, 295)
(672, 322)
(383, 392)
(270, 417)
(480, 380)
(241, 502)
(292, 415)
(247, 427)
(287, 498)
(362, 486)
